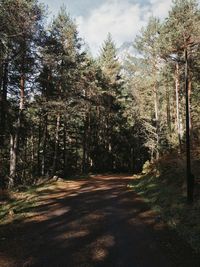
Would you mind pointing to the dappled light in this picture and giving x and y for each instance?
(103, 222)
(99, 153)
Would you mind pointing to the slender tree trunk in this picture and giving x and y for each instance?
(13, 159)
(84, 151)
(32, 154)
(156, 120)
(22, 91)
(89, 134)
(76, 146)
(85, 145)
(189, 100)
(38, 148)
(177, 83)
(1, 75)
(168, 110)
(3, 102)
(46, 93)
(64, 151)
(56, 145)
(132, 159)
(26, 158)
(14, 140)
(3, 113)
(190, 177)
(43, 161)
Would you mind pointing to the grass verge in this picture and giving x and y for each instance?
(16, 205)
(163, 187)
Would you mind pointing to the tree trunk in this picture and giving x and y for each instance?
(177, 83)
(13, 159)
(64, 151)
(189, 100)
(3, 102)
(38, 148)
(22, 92)
(15, 135)
(168, 110)
(43, 161)
(85, 145)
(25, 160)
(190, 177)
(132, 159)
(56, 145)
(32, 154)
(156, 120)
(1, 75)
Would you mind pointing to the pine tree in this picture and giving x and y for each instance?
(22, 26)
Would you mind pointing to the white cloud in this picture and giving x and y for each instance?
(121, 18)
(160, 8)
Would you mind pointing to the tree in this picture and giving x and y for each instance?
(148, 44)
(22, 26)
(184, 19)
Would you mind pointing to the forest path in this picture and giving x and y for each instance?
(93, 222)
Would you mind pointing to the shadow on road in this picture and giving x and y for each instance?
(93, 222)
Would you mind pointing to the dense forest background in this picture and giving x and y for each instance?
(63, 112)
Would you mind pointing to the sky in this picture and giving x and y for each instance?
(122, 18)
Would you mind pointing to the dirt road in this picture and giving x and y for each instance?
(93, 222)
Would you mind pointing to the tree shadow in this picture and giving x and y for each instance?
(93, 222)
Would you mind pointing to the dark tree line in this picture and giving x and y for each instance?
(62, 112)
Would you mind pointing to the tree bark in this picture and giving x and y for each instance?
(85, 145)
(43, 161)
(13, 160)
(189, 99)
(14, 139)
(177, 88)
(38, 148)
(156, 120)
(132, 160)
(64, 151)
(56, 145)
(32, 154)
(3, 102)
(1, 75)
(168, 110)
(190, 177)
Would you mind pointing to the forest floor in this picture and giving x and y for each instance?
(96, 221)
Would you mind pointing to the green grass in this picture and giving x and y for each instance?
(20, 204)
(165, 192)
(15, 207)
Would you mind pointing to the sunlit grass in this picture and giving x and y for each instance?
(18, 205)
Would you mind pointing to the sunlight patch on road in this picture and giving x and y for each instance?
(73, 234)
(59, 211)
(101, 247)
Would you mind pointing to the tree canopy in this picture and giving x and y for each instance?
(64, 112)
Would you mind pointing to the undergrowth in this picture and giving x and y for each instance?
(163, 186)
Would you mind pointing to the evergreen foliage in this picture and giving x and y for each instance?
(64, 112)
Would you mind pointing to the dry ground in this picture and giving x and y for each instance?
(92, 222)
